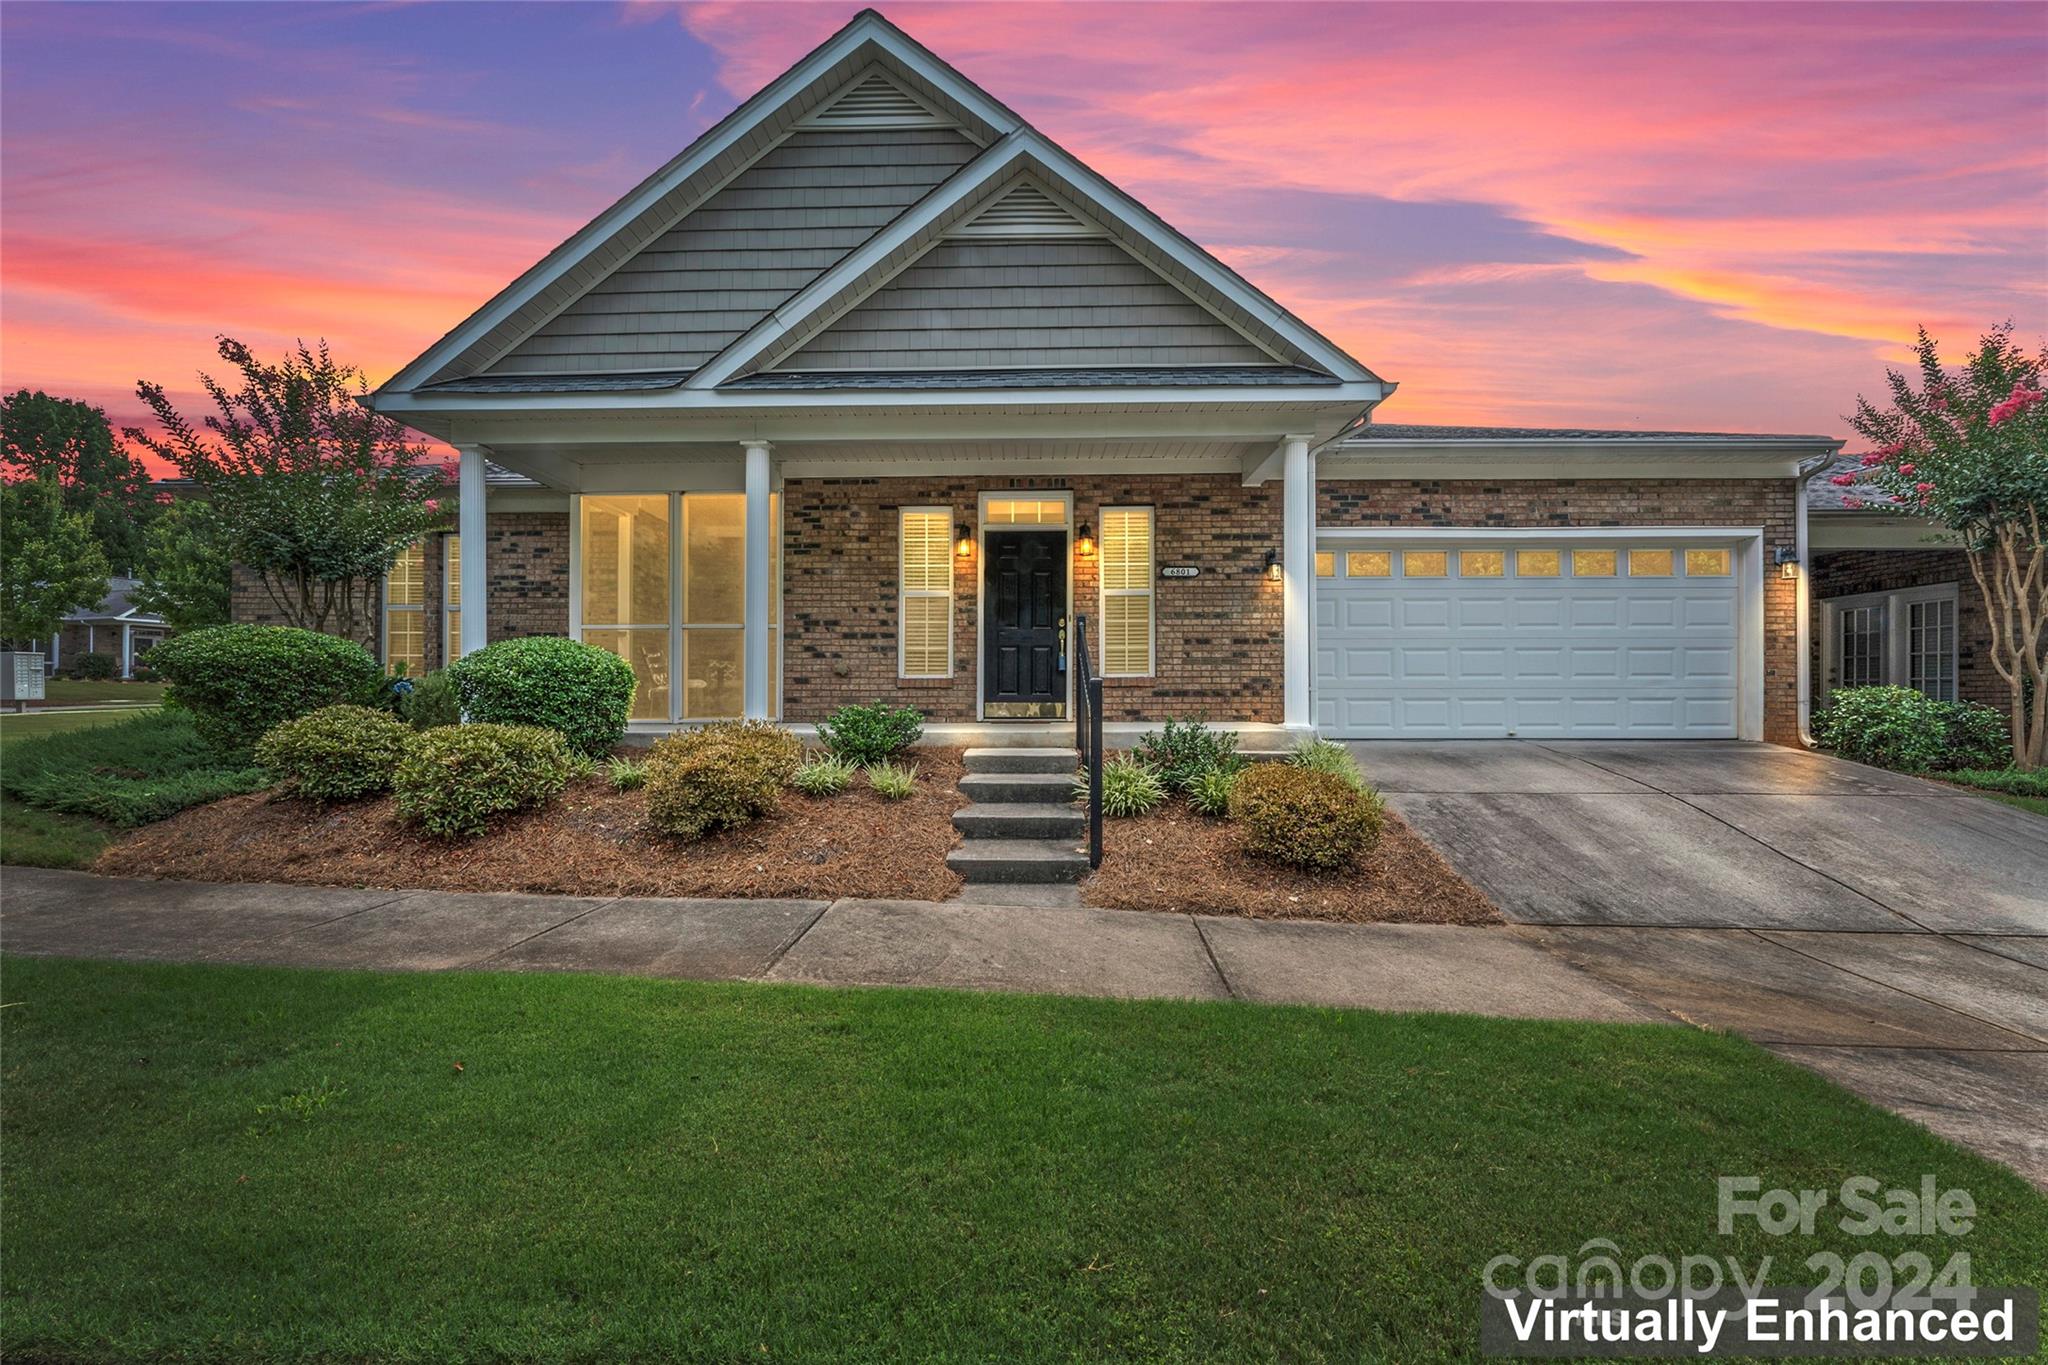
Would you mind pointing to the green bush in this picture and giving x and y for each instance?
(338, 753)
(582, 693)
(128, 773)
(626, 774)
(2011, 781)
(1898, 727)
(1209, 793)
(871, 734)
(1129, 786)
(1187, 749)
(93, 667)
(1304, 817)
(823, 776)
(431, 701)
(239, 681)
(454, 780)
(892, 781)
(718, 777)
(1327, 756)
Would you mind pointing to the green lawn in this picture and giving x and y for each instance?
(40, 838)
(29, 724)
(78, 692)
(228, 1163)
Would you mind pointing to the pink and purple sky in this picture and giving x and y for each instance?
(1727, 217)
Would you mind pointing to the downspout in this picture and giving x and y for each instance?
(1803, 597)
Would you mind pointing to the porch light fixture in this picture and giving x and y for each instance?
(963, 540)
(1788, 562)
(1084, 541)
(1273, 565)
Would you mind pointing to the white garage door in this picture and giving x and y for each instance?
(1535, 640)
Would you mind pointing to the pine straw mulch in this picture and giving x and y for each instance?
(1174, 859)
(591, 841)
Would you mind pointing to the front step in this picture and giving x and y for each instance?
(1019, 861)
(1000, 788)
(1020, 820)
(1063, 761)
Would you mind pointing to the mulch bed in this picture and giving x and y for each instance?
(1173, 859)
(590, 842)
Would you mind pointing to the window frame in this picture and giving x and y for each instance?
(388, 607)
(1894, 642)
(904, 592)
(451, 600)
(1150, 592)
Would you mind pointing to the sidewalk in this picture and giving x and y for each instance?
(1066, 950)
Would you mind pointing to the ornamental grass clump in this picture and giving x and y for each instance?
(823, 775)
(338, 753)
(625, 774)
(1327, 756)
(1130, 786)
(892, 781)
(1209, 793)
(718, 777)
(579, 691)
(453, 781)
(1303, 817)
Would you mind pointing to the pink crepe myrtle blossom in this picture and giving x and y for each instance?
(1853, 503)
(1923, 489)
(1843, 480)
(2020, 399)
(1906, 469)
(434, 505)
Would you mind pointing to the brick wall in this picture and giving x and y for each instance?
(250, 603)
(1767, 503)
(1846, 573)
(1218, 650)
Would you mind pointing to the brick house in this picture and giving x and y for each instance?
(876, 392)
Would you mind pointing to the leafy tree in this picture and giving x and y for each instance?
(71, 442)
(318, 495)
(188, 568)
(1969, 449)
(49, 561)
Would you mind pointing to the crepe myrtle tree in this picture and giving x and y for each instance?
(317, 494)
(1968, 448)
(50, 560)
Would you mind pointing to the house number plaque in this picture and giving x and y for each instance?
(1180, 571)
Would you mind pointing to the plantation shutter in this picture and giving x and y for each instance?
(926, 600)
(1127, 601)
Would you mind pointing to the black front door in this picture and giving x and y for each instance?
(1024, 633)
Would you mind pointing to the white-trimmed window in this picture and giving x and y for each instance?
(405, 620)
(451, 599)
(925, 592)
(1904, 638)
(1127, 593)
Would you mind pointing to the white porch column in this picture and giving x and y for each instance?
(127, 650)
(757, 669)
(469, 524)
(1297, 563)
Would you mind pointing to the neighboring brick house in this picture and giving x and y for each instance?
(876, 392)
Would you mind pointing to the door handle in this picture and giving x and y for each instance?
(1063, 643)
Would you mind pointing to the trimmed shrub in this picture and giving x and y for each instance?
(1185, 750)
(1129, 786)
(1209, 793)
(429, 701)
(871, 734)
(718, 777)
(129, 773)
(338, 753)
(453, 781)
(892, 781)
(582, 693)
(240, 681)
(626, 774)
(823, 776)
(1327, 756)
(1898, 727)
(93, 667)
(1304, 817)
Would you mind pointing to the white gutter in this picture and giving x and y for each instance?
(1803, 598)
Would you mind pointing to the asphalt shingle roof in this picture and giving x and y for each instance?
(560, 383)
(1202, 376)
(1822, 495)
(1401, 431)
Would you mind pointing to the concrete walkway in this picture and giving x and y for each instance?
(1063, 950)
(1889, 933)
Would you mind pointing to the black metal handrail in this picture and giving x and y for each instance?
(1088, 734)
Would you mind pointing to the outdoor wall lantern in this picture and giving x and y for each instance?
(963, 540)
(1273, 565)
(1788, 562)
(1084, 542)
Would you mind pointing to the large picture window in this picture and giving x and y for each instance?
(451, 599)
(1127, 592)
(664, 588)
(925, 592)
(405, 619)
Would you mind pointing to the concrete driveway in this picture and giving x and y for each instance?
(1887, 932)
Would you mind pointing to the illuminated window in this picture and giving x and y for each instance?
(451, 599)
(1127, 604)
(1425, 564)
(1326, 564)
(405, 626)
(1025, 512)
(1706, 563)
(1593, 563)
(1537, 563)
(1368, 564)
(1482, 563)
(1649, 564)
(925, 609)
(626, 570)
